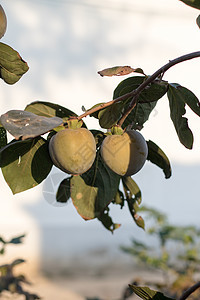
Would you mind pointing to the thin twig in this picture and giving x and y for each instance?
(104, 105)
(128, 111)
(137, 91)
(189, 291)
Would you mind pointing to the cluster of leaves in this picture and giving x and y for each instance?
(28, 154)
(178, 267)
(12, 283)
(8, 280)
(30, 159)
(25, 161)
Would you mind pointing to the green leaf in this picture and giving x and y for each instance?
(24, 124)
(92, 192)
(159, 158)
(131, 189)
(3, 137)
(2, 250)
(16, 240)
(192, 3)
(198, 21)
(147, 100)
(95, 114)
(128, 85)
(110, 115)
(139, 115)
(25, 164)
(48, 109)
(98, 136)
(2, 240)
(148, 294)
(151, 93)
(187, 97)
(12, 66)
(17, 262)
(177, 110)
(63, 193)
(155, 91)
(119, 198)
(106, 220)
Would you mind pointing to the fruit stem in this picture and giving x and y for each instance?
(135, 93)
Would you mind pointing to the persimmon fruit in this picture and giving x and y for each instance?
(3, 22)
(73, 150)
(125, 154)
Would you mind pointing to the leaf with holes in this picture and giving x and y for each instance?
(12, 66)
(119, 198)
(177, 110)
(131, 189)
(159, 158)
(92, 192)
(134, 198)
(107, 221)
(25, 164)
(25, 124)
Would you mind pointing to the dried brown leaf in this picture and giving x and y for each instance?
(119, 71)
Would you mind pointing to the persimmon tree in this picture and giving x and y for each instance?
(40, 132)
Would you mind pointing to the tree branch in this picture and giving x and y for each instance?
(104, 105)
(151, 78)
(191, 290)
(135, 93)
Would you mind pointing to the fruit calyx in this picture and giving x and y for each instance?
(117, 130)
(74, 123)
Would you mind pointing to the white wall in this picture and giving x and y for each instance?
(65, 43)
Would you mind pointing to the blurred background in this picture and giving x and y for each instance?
(65, 43)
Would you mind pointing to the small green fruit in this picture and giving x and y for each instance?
(3, 22)
(125, 154)
(73, 150)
